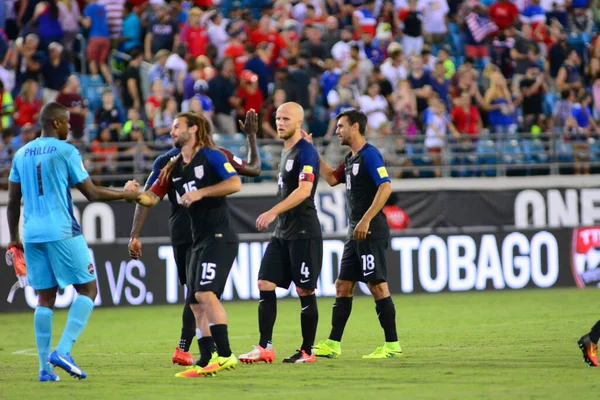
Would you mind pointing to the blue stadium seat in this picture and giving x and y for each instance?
(487, 154)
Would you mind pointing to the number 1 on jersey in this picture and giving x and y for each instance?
(38, 170)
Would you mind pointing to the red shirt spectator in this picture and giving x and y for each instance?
(264, 33)
(466, 117)
(27, 106)
(196, 39)
(504, 14)
(249, 93)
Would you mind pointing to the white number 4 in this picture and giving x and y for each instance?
(208, 271)
(304, 270)
(368, 262)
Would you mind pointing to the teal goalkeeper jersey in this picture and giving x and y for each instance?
(47, 168)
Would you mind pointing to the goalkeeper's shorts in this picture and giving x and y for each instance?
(59, 263)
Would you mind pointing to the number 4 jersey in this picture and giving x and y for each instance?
(47, 168)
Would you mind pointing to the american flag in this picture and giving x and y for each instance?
(480, 27)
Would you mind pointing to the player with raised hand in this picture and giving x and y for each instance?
(181, 240)
(368, 187)
(201, 177)
(295, 251)
(56, 254)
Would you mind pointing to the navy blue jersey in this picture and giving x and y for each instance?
(363, 172)
(179, 221)
(300, 163)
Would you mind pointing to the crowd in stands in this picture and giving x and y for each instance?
(445, 72)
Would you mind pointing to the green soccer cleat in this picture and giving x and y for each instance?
(328, 348)
(388, 350)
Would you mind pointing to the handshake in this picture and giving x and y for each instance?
(132, 186)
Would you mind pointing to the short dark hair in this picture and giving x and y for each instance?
(355, 117)
(50, 112)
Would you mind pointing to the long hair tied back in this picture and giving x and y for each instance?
(203, 140)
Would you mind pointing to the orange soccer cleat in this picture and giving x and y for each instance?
(183, 358)
(258, 354)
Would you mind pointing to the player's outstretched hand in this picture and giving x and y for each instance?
(135, 248)
(307, 136)
(132, 186)
(361, 230)
(264, 220)
(250, 126)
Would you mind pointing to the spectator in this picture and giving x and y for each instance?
(393, 68)
(439, 84)
(299, 82)
(332, 33)
(10, 19)
(163, 120)
(55, 71)
(95, 19)
(221, 91)
(114, 14)
(385, 87)
(525, 52)
(269, 127)
(191, 78)
(266, 33)
(206, 106)
(177, 68)
(556, 9)
(48, 25)
(404, 104)
(103, 154)
(27, 60)
(499, 105)
(435, 22)
(466, 117)
(138, 156)
(291, 39)
(562, 113)
(239, 51)
(364, 65)
(397, 218)
(533, 88)
(194, 35)
(435, 134)
(159, 71)
(132, 29)
(376, 107)
(249, 94)
(29, 132)
(502, 46)
(341, 50)
(449, 67)
(217, 31)
(109, 116)
(133, 122)
(329, 78)
(596, 97)
(534, 15)
(6, 108)
(258, 64)
(504, 14)
(70, 97)
(162, 34)
(27, 105)
(420, 81)
(153, 102)
(583, 115)
(363, 19)
(569, 75)
(131, 88)
(314, 49)
(69, 15)
(412, 31)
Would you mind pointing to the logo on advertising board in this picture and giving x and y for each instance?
(585, 257)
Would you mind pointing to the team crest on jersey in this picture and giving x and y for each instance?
(199, 171)
(91, 269)
(355, 169)
(289, 165)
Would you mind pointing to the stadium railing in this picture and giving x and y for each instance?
(486, 155)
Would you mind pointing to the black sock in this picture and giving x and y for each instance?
(206, 345)
(309, 318)
(595, 332)
(267, 313)
(219, 332)
(387, 318)
(341, 312)
(188, 328)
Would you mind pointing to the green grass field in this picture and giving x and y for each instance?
(508, 345)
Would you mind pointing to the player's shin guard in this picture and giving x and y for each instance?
(339, 316)
(267, 313)
(188, 328)
(309, 318)
(386, 312)
(79, 313)
(595, 333)
(42, 323)
(219, 333)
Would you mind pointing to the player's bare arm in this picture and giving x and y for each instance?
(362, 228)
(221, 189)
(147, 199)
(250, 128)
(325, 169)
(139, 217)
(13, 213)
(293, 200)
(94, 193)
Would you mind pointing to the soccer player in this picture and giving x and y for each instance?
(588, 344)
(295, 251)
(368, 187)
(42, 173)
(181, 239)
(201, 177)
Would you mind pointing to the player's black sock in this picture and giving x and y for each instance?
(188, 328)
(386, 311)
(267, 312)
(341, 312)
(595, 333)
(206, 345)
(219, 332)
(309, 318)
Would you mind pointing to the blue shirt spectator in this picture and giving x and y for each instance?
(132, 30)
(97, 15)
